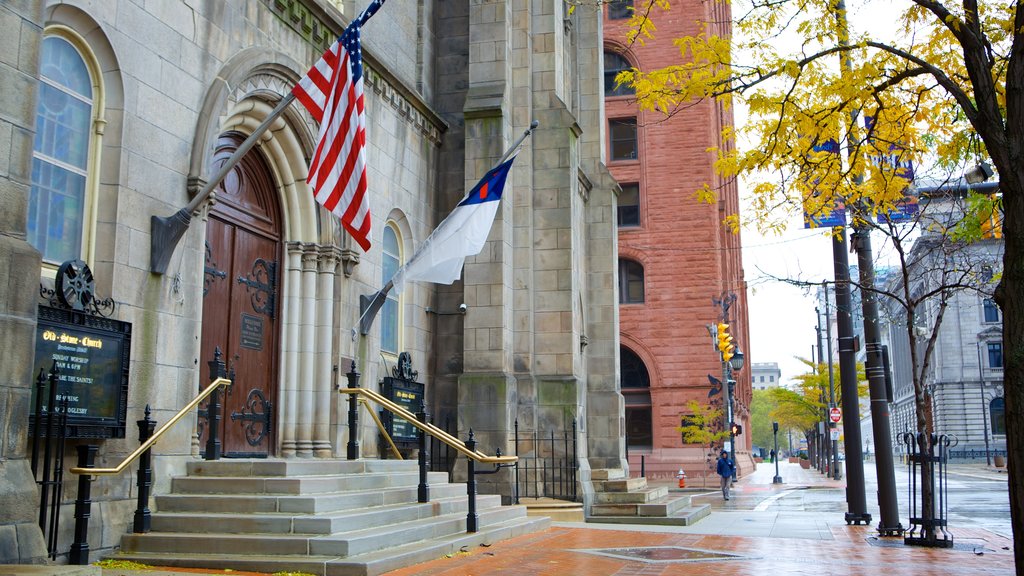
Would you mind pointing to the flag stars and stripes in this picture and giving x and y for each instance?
(332, 91)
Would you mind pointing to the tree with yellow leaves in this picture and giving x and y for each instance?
(944, 88)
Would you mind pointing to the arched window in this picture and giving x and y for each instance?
(631, 282)
(391, 259)
(613, 64)
(636, 391)
(997, 415)
(60, 196)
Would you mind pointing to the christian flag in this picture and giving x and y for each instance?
(463, 233)
(332, 91)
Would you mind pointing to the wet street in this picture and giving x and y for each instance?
(977, 496)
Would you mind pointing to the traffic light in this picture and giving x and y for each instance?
(725, 345)
(736, 429)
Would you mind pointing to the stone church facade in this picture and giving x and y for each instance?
(152, 97)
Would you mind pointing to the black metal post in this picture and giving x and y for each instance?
(57, 486)
(889, 524)
(51, 407)
(352, 451)
(423, 490)
(213, 415)
(143, 518)
(643, 466)
(775, 434)
(516, 493)
(984, 406)
(575, 459)
(732, 437)
(856, 502)
(79, 554)
(38, 430)
(471, 518)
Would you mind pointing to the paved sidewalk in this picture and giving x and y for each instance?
(740, 537)
(745, 536)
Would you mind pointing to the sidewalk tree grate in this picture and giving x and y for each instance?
(898, 543)
(665, 554)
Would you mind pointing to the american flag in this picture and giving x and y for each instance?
(332, 91)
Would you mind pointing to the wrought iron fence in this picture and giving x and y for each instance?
(928, 456)
(442, 456)
(974, 454)
(49, 433)
(548, 464)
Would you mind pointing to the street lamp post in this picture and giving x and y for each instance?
(775, 435)
(984, 412)
(733, 364)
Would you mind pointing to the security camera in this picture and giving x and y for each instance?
(462, 307)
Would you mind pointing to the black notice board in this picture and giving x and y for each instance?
(92, 354)
(408, 395)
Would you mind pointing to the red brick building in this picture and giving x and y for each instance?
(677, 261)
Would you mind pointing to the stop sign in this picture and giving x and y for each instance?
(835, 414)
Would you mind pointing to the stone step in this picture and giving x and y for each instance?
(296, 467)
(686, 516)
(368, 564)
(607, 474)
(622, 485)
(297, 484)
(321, 503)
(556, 510)
(640, 496)
(663, 506)
(278, 523)
(331, 545)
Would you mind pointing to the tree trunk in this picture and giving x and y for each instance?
(1010, 296)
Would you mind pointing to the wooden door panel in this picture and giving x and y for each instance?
(241, 300)
(216, 296)
(253, 332)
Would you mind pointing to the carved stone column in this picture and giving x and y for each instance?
(289, 349)
(329, 262)
(306, 385)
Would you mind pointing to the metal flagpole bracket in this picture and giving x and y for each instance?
(165, 233)
(370, 305)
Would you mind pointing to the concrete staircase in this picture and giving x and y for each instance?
(325, 517)
(622, 500)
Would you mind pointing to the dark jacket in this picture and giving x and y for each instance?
(725, 467)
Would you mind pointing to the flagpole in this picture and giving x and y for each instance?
(165, 232)
(371, 305)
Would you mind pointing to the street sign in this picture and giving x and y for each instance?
(835, 414)
(834, 434)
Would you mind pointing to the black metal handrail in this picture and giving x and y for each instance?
(79, 554)
(467, 448)
(156, 435)
(429, 428)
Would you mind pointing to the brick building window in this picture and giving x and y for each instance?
(622, 133)
(620, 9)
(636, 392)
(631, 282)
(613, 64)
(629, 205)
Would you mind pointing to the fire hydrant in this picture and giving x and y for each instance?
(682, 478)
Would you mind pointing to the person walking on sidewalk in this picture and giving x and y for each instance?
(725, 470)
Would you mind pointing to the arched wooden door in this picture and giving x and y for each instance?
(241, 301)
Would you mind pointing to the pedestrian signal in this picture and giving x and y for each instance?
(736, 429)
